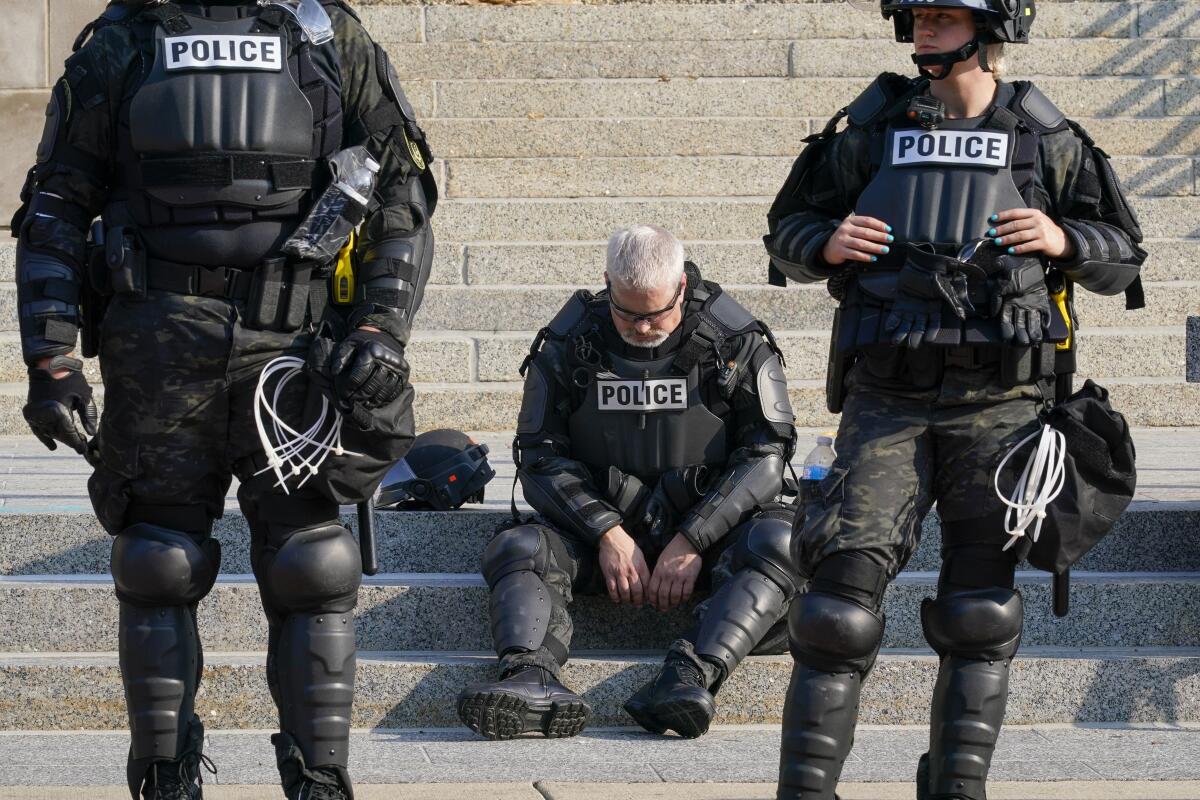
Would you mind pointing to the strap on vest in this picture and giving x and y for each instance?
(284, 172)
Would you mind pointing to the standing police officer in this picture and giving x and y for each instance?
(202, 133)
(652, 440)
(944, 216)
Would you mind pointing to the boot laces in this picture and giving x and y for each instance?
(689, 673)
(175, 780)
(323, 785)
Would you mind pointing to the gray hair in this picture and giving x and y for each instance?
(643, 257)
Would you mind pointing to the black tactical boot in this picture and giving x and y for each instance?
(320, 784)
(676, 700)
(176, 780)
(528, 699)
(301, 782)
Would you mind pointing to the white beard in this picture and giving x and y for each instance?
(647, 343)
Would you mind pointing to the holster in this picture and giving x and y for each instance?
(278, 297)
(842, 355)
(94, 294)
(125, 262)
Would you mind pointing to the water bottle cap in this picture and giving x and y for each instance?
(827, 440)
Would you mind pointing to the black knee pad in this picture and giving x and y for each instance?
(524, 548)
(154, 566)
(981, 624)
(833, 633)
(316, 569)
(764, 544)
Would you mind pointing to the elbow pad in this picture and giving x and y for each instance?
(795, 248)
(729, 503)
(391, 282)
(48, 291)
(554, 490)
(1106, 261)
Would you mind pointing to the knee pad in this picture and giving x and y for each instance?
(318, 569)
(765, 545)
(155, 566)
(524, 548)
(832, 633)
(981, 624)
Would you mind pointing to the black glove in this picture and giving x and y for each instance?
(926, 286)
(1021, 302)
(368, 370)
(58, 407)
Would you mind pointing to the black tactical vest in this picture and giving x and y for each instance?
(940, 186)
(222, 144)
(646, 417)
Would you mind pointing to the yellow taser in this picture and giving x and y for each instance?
(1060, 302)
(343, 273)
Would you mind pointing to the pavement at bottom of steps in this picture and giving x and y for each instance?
(34, 480)
(743, 759)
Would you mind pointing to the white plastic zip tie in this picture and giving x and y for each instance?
(1041, 481)
(292, 453)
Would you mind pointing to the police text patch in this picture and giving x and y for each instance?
(223, 51)
(961, 148)
(654, 394)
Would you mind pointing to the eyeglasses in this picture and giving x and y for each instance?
(634, 316)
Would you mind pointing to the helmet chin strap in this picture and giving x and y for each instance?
(938, 66)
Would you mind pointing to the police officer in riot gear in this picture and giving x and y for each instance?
(200, 133)
(952, 216)
(652, 440)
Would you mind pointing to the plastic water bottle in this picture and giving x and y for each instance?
(819, 460)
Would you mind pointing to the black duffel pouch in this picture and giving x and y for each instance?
(278, 298)
(1101, 478)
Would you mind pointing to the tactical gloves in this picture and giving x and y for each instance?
(362, 373)
(925, 287)
(61, 409)
(1021, 302)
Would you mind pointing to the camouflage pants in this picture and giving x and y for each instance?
(574, 569)
(900, 448)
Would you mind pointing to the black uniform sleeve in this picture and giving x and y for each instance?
(395, 253)
(64, 192)
(556, 486)
(764, 436)
(819, 193)
(1088, 202)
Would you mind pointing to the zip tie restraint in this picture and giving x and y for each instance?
(291, 453)
(1041, 481)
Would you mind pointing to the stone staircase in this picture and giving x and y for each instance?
(553, 125)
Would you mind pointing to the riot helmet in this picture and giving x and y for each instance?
(996, 22)
(444, 469)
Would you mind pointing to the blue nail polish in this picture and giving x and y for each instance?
(993, 217)
(874, 258)
(1012, 251)
(998, 240)
(887, 249)
(991, 231)
(889, 228)
(891, 238)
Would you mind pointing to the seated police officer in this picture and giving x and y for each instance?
(945, 216)
(652, 440)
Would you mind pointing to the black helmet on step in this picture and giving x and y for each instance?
(444, 469)
(998, 20)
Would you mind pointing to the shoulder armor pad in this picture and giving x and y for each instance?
(1035, 108)
(730, 314)
(344, 6)
(572, 313)
(875, 99)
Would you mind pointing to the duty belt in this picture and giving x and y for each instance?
(223, 282)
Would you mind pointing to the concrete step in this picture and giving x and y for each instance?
(1151, 537)
(588, 766)
(551, 133)
(485, 356)
(668, 22)
(711, 218)
(418, 612)
(729, 263)
(673, 176)
(1145, 402)
(810, 58)
(67, 691)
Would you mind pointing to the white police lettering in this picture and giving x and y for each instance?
(962, 148)
(222, 51)
(655, 394)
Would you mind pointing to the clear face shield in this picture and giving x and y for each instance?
(310, 15)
